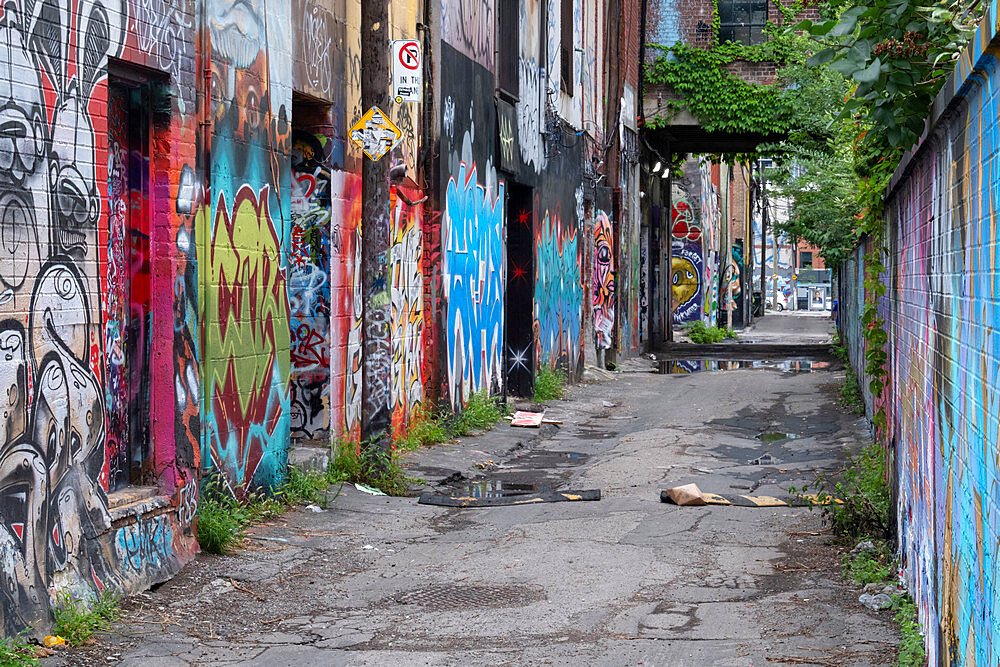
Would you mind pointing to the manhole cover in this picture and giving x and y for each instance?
(463, 597)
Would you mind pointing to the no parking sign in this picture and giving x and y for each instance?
(407, 71)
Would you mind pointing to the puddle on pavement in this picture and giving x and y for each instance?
(498, 488)
(686, 366)
(774, 436)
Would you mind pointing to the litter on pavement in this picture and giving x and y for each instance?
(369, 489)
(690, 494)
(530, 419)
(523, 499)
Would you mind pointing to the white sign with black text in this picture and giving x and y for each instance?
(407, 71)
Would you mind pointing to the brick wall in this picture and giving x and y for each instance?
(98, 298)
(943, 401)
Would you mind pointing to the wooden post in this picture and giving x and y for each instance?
(376, 307)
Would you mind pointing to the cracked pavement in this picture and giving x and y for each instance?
(625, 580)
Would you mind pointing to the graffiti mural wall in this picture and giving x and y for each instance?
(246, 404)
(472, 229)
(91, 335)
(944, 394)
(604, 280)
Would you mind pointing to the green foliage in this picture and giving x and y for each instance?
(221, 518)
(369, 466)
(898, 53)
(479, 414)
(851, 398)
(77, 620)
(839, 351)
(822, 190)
(701, 334)
(17, 652)
(911, 645)
(424, 428)
(549, 384)
(865, 510)
(875, 566)
(301, 487)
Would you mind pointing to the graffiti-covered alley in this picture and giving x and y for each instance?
(241, 238)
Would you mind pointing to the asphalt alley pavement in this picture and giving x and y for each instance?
(622, 581)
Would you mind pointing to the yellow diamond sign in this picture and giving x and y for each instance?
(375, 134)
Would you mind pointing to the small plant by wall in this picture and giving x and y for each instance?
(549, 385)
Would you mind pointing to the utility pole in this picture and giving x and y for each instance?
(376, 316)
(763, 237)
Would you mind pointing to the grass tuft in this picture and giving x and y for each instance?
(17, 652)
(221, 518)
(369, 467)
(870, 567)
(701, 334)
(549, 385)
(424, 428)
(911, 644)
(851, 398)
(77, 620)
(479, 414)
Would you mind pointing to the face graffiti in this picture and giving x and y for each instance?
(604, 281)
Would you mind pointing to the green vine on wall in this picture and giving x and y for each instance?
(703, 81)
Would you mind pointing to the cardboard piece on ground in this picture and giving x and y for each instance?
(688, 494)
(528, 419)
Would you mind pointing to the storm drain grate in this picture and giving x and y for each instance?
(452, 596)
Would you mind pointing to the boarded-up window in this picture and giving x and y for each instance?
(566, 46)
(508, 43)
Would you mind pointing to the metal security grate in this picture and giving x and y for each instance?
(463, 597)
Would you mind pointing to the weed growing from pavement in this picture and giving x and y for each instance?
(221, 518)
(700, 334)
(424, 428)
(865, 515)
(17, 652)
(851, 398)
(871, 566)
(479, 414)
(77, 620)
(365, 465)
(911, 645)
(549, 385)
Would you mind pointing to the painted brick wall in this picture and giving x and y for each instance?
(69, 254)
(943, 402)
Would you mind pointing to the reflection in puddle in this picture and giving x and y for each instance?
(774, 436)
(497, 488)
(684, 366)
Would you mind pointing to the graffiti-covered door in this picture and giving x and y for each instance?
(518, 311)
(309, 287)
(127, 315)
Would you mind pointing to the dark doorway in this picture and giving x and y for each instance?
(519, 303)
(127, 312)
